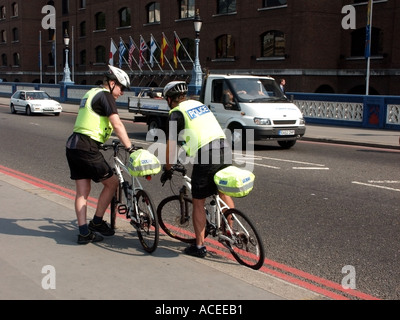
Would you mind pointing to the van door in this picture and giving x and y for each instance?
(222, 103)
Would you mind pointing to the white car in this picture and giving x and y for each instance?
(34, 101)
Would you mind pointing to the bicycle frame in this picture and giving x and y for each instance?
(218, 214)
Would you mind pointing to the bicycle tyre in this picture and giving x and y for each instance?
(148, 231)
(247, 250)
(169, 217)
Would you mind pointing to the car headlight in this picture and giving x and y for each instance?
(262, 121)
(302, 121)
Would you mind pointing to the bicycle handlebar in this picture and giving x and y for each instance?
(116, 145)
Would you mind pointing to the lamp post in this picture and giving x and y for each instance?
(196, 81)
(67, 73)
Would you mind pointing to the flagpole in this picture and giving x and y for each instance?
(184, 48)
(40, 57)
(55, 56)
(72, 55)
(142, 39)
(368, 44)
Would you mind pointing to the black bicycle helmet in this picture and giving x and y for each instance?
(175, 88)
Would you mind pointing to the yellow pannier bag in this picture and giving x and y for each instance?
(143, 163)
(234, 181)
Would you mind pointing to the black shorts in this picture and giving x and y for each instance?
(203, 184)
(88, 165)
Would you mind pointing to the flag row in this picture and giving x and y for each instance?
(148, 49)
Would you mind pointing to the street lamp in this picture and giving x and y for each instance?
(67, 73)
(197, 75)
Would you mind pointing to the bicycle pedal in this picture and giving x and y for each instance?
(122, 209)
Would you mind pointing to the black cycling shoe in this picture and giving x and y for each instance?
(103, 228)
(90, 237)
(192, 250)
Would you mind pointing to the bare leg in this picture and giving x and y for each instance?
(110, 186)
(82, 193)
(199, 220)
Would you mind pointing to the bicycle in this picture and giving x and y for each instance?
(230, 226)
(133, 201)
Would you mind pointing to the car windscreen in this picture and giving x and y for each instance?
(257, 90)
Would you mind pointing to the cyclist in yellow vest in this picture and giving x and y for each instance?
(201, 137)
(97, 119)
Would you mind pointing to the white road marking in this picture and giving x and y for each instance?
(375, 186)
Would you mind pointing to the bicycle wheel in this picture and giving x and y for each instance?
(175, 218)
(245, 243)
(148, 231)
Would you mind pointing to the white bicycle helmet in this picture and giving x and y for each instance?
(119, 75)
(175, 88)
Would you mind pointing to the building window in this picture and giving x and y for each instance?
(17, 61)
(65, 6)
(15, 34)
(186, 9)
(3, 12)
(273, 44)
(3, 36)
(100, 54)
(82, 58)
(100, 18)
(4, 60)
(226, 6)
(190, 47)
(82, 29)
(225, 47)
(358, 42)
(82, 4)
(274, 3)
(51, 59)
(153, 12)
(14, 7)
(125, 17)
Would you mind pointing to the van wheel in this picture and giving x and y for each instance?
(287, 144)
(238, 137)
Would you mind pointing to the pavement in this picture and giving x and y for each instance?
(40, 259)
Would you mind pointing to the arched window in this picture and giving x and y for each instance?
(4, 60)
(3, 36)
(82, 58)
(273, 44)
(15, 34)
(153, 12)
(186, 9)
(124, 17)
(225, 45)
(82, 29)
(100, 18)
(14, 8)
(100, 54)
(358, 42)
(17, 60)
(3, 12)
(226, 6)
(274, 3)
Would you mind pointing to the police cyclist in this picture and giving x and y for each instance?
(97, 118)
(201, 136)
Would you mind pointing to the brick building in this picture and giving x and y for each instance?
(301, 40)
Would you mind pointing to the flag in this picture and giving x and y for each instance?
(368, 31)
(164, 47)
(130, 55)
(153, 48)
(142, 50)
(177, 45)
(113, 50)
(122, 51)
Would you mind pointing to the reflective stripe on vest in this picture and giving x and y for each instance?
(90, 123)
(197, 116)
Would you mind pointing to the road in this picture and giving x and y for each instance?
(327, 213)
